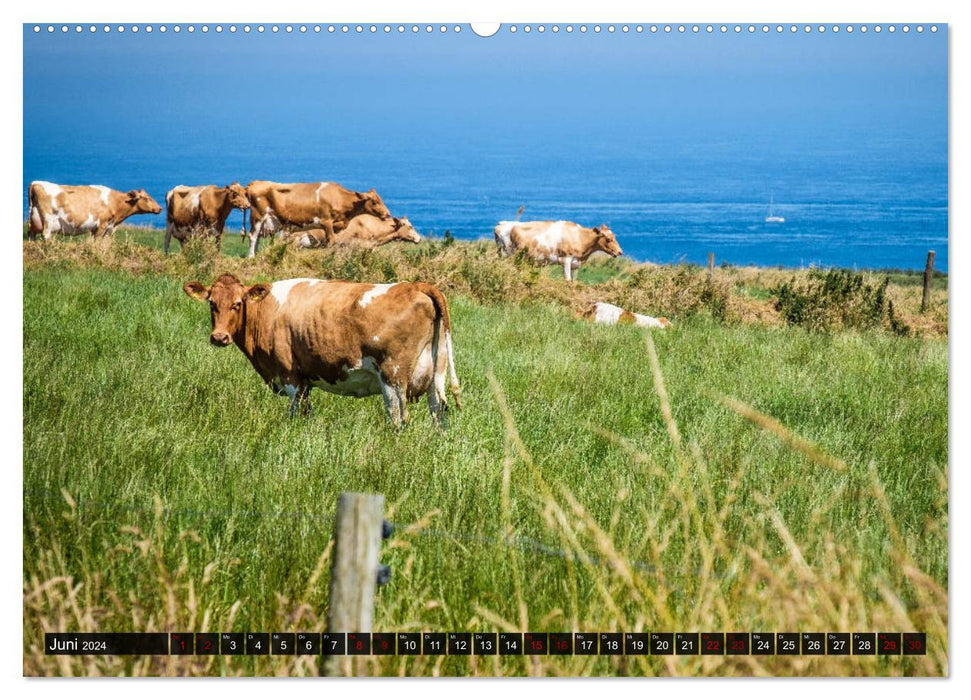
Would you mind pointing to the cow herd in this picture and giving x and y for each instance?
(346, 338)
(311, 214)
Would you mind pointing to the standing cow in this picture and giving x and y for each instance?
(278, 208)
(345, 338)
(364, 231)
(201, 210)
(83, 209)
(556, 242)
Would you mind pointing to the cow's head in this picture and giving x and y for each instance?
(606, 241)
(237, 196)
(227, 299)
(142, 202)
(404, 231)
(370, 202)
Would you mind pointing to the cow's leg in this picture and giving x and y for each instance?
(35, 223)
(48, 227)
(437, 405)
(256, 230)
(168, 239)
(568, 268)
(390, 403)
(299, 399)
(101, 237)
(303, 399)
(437, 399)
(401, 392)
(394, 403)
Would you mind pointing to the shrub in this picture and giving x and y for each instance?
(202, 255)
(687, 292)
(276, 252)
(836, 299)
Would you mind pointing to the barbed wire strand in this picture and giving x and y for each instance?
(521, 542)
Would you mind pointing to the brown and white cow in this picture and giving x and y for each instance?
(280, 208)
(75, 210)
(602, 312)
(364, 231)
(201, 210)
(345, 338)
(556, 242)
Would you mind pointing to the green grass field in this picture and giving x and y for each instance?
(166, 489)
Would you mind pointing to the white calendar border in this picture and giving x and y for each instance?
(603, 11)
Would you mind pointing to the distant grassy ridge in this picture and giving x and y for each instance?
(728, 474)
(730, 294)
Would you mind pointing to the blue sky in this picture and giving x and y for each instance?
(433, 87)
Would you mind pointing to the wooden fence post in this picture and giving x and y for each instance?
(354, 572)
(928, 276)
(711, 263)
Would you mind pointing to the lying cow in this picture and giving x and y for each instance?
(601, 312)
(364, 231)
(202, 210)
(280, 208)
(346, 338)
(83, 209)
(556, 242)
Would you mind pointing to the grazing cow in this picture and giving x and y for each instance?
(201, 210)
(601, 312)
(556, 242)
(77, 210)
(278, 208)
(345, 338)
(364, 231)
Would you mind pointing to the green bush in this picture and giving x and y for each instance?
(201, 253)
(834, 299)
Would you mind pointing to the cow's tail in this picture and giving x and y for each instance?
(443, 322)
(34, 223)
(242, 231)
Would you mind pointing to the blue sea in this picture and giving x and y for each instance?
(677, 146)
(860, 206)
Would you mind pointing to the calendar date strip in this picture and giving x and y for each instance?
(488, 643)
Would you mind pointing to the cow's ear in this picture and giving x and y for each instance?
(132, 196)
(196, 290)
(257, 292)
(596, 230)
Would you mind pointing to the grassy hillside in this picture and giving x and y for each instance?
(729, 474)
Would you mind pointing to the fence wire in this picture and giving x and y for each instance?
(520, 542)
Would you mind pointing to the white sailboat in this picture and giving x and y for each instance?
(772, 218)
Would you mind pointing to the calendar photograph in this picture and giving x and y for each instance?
(451, 350)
